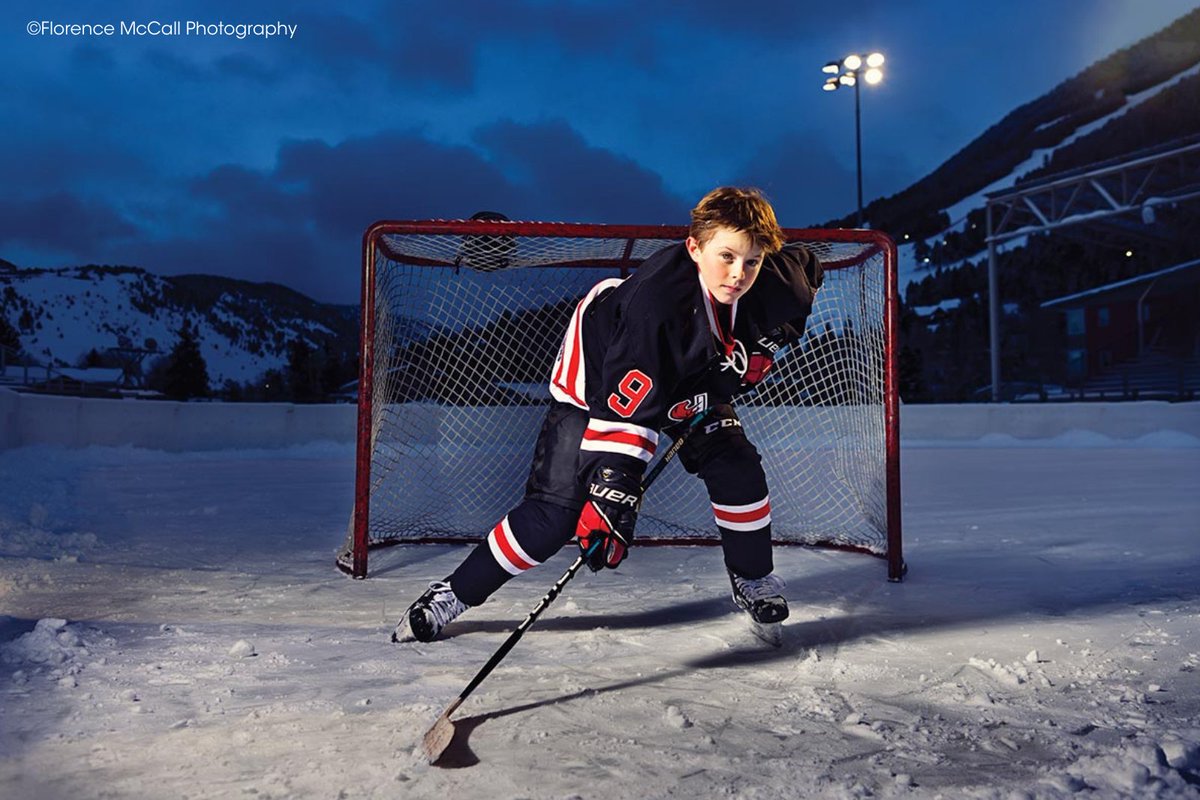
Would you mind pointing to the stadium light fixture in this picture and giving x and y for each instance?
(846, 73)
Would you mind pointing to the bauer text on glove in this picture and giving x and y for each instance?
(607, 520)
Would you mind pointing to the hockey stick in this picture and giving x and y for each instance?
(438, 738)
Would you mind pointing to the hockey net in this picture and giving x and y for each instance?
(461, 322)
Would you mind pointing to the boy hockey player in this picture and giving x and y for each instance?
(640, 356)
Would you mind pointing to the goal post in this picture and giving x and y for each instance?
(461, 321)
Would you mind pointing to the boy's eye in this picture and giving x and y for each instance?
(752, 263)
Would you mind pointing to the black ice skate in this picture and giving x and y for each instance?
(433, 611)
(762, 598)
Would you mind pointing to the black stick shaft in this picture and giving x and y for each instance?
(557, 588)
(516, 635)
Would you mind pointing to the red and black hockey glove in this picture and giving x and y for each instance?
(607, 520)
(761, 358)
(757, 367)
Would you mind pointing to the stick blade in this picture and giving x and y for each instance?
(438, 738)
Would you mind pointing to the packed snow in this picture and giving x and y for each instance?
(172, 626)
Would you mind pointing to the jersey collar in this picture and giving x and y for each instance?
(719, 332)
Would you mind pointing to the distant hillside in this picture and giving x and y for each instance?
(1050, 123)
(1140, 100)
(244, 328)
(1145, 96)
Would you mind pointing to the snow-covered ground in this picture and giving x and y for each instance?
(171, 626)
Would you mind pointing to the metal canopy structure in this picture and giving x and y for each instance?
(1137, 183)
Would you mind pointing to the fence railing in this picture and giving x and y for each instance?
(21, 371)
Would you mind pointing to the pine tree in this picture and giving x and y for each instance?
(186, 374)
(9, 337)
(303, 372)
(91, 358)
(339, 369)
(10, 343)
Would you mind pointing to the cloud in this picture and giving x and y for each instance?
(250, 250)
(434, 50)
(769, 23)
(389, 175)
(433, 46)
(538, 171)
(266, 160)
(92, 58)
(241, 194)
(62, 221)
(250, 68)
(299, 223)
(415, 45)
(173, 67)
(803, 177)
(563, 178)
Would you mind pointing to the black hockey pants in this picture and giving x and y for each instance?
(545, 519)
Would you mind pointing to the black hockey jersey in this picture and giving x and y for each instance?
(639, 352)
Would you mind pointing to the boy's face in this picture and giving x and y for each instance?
(729, 263)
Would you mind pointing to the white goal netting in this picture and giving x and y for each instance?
(462, 326)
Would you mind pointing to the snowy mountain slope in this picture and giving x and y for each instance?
(1146, 94)
(912, 267)
(1071, 112)
(243, 328)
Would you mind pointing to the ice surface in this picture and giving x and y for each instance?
(171, 625)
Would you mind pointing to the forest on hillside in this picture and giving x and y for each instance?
(949, 360)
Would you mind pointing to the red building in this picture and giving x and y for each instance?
(1140, 335)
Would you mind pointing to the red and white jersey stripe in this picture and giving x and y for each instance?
(748, 517)
(568, 381)
(626, 438)
(508, 551)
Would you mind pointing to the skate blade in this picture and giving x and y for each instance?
(438, 738)
(402, 633)
(768, 632)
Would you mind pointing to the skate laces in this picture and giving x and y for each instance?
(759, 588)
(443, 604)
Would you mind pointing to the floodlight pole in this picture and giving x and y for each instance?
(993, 307)
(858, 148)
(843, 74)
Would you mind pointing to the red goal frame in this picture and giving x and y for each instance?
(375, 246)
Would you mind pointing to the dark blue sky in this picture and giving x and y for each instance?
(265, 159)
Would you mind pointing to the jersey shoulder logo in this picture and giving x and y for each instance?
(686, 409)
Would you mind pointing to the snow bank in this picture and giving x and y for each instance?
(76, 422)
(27, 419)
(1064, 424)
